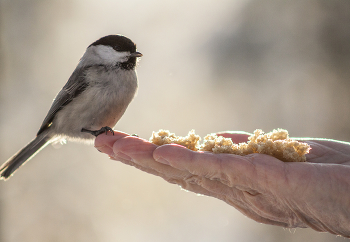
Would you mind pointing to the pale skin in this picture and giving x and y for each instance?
(314, 194)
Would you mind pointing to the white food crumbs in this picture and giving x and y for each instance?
(275, 143)
(163, 137)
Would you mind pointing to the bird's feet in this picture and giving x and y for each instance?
(98, 132)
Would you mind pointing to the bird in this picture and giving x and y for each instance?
(91, 102)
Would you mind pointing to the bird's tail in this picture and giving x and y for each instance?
(25, 154)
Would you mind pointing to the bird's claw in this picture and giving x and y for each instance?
(98, 132)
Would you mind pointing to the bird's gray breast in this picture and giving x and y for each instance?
(102, 103)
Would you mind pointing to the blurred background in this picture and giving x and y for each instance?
(207, 65)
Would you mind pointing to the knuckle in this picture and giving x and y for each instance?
(193, 179)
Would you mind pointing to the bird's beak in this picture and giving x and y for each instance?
(136, 54)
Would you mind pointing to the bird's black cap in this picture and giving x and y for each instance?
(117, 42)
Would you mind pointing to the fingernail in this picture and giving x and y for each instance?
(162, 160)
(123, 156)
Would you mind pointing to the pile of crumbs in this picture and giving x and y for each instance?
(275, 143)
(163, 137)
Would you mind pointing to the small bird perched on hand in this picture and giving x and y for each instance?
(92, 101)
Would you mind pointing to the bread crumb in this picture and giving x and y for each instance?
(275, 143)
(162, 137)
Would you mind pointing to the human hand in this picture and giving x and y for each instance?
(313, 194)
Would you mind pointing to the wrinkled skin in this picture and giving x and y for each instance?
(314, 194)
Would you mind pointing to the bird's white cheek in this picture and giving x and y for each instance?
(103, 55)
(111, 56)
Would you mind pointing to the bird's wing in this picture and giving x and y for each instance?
(72, 89)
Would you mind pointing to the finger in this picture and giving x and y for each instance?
(229, 169)
(222, 191)
(104, 142)
(131, 163)
(140, 153)
(177, 180)
(135, 149)
(324, 151)
(137, 152)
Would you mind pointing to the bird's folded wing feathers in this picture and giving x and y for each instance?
(75, 86)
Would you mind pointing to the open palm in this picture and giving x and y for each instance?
(313, 194)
